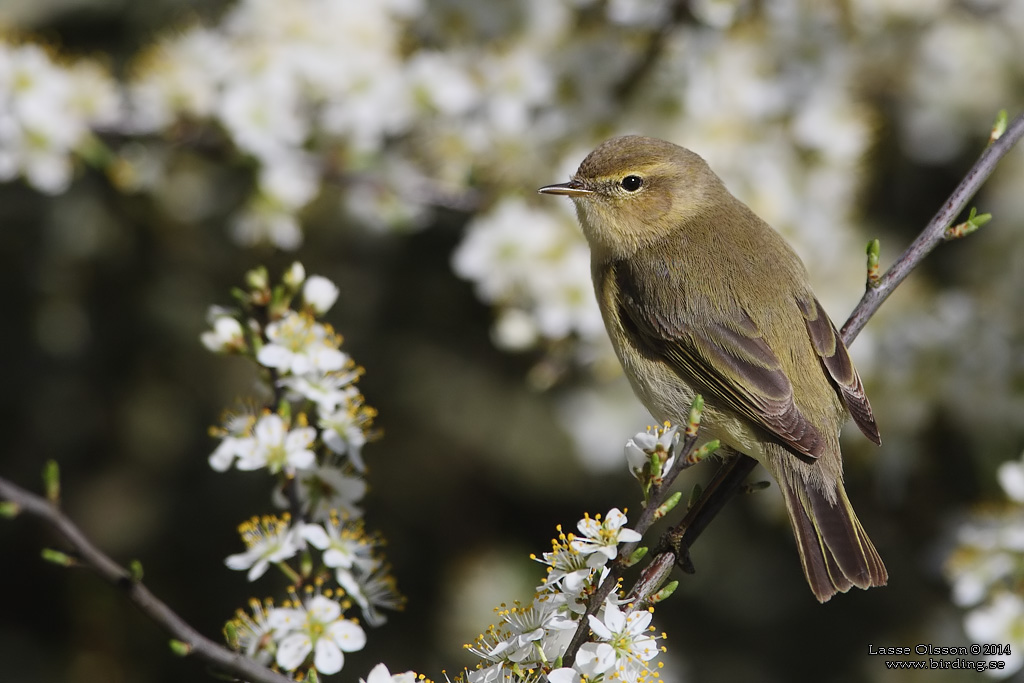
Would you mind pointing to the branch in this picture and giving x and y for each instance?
(205, 649)
(659, 502)
(935, 232)
(728, 480)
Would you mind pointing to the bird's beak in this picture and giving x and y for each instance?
(573, 188)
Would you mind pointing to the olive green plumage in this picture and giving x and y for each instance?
(699, 295)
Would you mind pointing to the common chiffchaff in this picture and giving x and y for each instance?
(699, 295)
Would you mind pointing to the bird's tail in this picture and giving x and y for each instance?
(835, 551)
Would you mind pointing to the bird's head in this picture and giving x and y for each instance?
(632, 191)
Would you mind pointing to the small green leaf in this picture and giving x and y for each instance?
(9, 509)
(135, 569)
(231, 635)
(636, 556)
(973, 222)
(978, 220)
(703, 452)
(654, 465)
(180, 647)
(57, 557)
(999, 127)
(668, 505)
(51, 481)
(873, 251)
(696, 408)
(258, 279)
(664, 593)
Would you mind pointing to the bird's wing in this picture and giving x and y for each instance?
(726, 359)
(836, 361)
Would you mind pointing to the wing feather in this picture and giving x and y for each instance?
(727, 360)
(836, 360)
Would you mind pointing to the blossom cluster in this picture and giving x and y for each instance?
(986, 571)
(531, 639)
(652, 452)
(48, 112)
(291, 85)
(532, 264)
(398, 106)
(310, 440)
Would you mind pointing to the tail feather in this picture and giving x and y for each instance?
(835, 551)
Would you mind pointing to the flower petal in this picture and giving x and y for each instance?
(615, 519)
(258, 569)
(328, 658)
(274, 356)
(563, 675)
(315, 534)
(241, 560)
(595, 658)
(285, 619)
(348, 635)
(292, 651)
(628, 536)
(323, 609)
(599, 629)
(378, 674)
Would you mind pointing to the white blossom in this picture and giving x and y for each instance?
(227, 334)
(319, 293)
(600, 539)
(1011, 478)
(268, 540)
(316, 627)
(381, 674)
(299, 345)
(277, 447)
(661, 441)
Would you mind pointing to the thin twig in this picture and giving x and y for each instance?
(935, 232)
(199, 645)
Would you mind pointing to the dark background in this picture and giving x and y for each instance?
(473, 472)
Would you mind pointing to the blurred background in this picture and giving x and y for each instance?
(152, 153)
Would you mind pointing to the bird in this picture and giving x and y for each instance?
(699, 295)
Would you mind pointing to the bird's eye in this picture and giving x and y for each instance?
(631, 183)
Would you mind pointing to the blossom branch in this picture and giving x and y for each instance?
(195, 643)
(658, 504)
